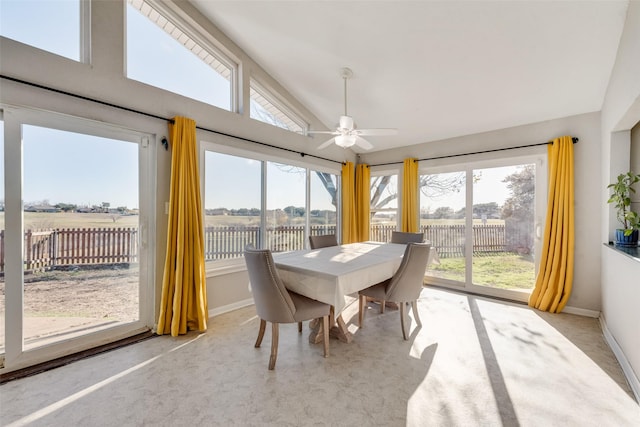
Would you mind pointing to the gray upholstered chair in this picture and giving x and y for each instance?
(404, 287)
(323, 241)
(275, 304)
(404, 237)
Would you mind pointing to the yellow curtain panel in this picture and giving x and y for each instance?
(410, 200)
(363, 202)
(555, 277)
(184, 292)
(349, 230)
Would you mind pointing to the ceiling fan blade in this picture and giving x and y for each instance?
(325, 144)
(372, 132)
(363, 143)
(328, 132)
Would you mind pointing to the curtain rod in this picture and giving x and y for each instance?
(131, 110)
(574, 139)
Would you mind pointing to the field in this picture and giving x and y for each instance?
(43, 220)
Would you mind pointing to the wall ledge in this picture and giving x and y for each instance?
(633, 253)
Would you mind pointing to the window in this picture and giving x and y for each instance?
(57, 26)
(271, 204)
(265, 108)
(384, 206)
(482, 218)
(163, 53)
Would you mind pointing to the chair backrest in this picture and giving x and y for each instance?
(406, 283)
(271, 297)
(323, 241)
(403, 237)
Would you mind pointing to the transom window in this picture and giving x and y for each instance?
(57, 26)
(266, 108)
(163, 52)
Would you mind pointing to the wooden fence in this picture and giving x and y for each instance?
(46, 249)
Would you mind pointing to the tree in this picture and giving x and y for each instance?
(435, 186)
(489, 210)
(518, 210)
(443, 212)
(520, 204)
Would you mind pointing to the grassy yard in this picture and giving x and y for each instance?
(503, 271)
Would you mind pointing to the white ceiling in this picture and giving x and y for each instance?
(432, 69)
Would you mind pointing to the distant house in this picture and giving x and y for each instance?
(41, 208)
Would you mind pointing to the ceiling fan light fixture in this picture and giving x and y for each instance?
(345, 141)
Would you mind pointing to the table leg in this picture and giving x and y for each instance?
(338, 329)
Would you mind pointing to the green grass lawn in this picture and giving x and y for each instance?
(503, 271)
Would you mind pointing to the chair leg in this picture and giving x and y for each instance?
(299, 327)
(414, 306)
(361, 303)
(382, 304)
(274, 345)
(263, 325)
(325, 335)
(403, 321)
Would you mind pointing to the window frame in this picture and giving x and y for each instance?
(216, 144)
(540, 159)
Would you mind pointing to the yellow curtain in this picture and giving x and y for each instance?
(184, 292)
(363, 202)
(409, 210)
(555, 277)
(349, 230)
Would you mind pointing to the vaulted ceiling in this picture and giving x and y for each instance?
(431, 69)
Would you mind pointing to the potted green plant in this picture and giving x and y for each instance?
(621, 199)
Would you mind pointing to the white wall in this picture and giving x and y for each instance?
(620, 113)
(586, 284)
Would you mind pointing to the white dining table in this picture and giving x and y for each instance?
(330, 274)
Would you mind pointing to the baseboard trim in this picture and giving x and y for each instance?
(631, 377)
(581, 312)
(230, 307)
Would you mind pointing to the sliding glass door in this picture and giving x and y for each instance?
(75, 260)
(484, 221)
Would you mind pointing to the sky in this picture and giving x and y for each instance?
(62, 167)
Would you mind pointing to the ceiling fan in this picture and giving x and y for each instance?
(346, 134)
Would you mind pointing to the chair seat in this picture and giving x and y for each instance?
(307, 308)
(377, 291)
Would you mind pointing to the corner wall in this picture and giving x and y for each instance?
(620, 113)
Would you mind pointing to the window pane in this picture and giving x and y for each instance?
(160, 54)
(503, 227)
(264, 110)
(323, 211)
(286, 189)
(232, 212)
(51, 25)
(442, 219)
(81, 234)
(384, 207)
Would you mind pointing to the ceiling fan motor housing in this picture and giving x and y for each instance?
(346, 123)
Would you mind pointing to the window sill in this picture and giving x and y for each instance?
(226, 268)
